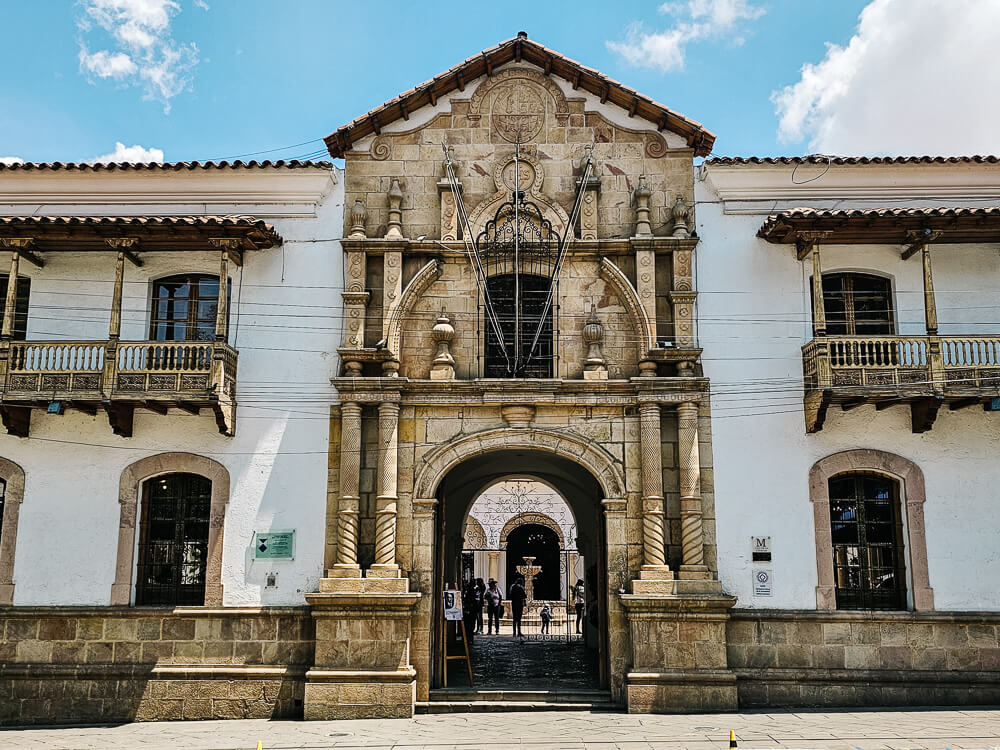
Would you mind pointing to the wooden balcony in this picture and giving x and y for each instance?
(924, 372)
(117, 377)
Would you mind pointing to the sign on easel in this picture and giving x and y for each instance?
(453, 605)
(453, 613)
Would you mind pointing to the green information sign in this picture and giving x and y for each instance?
(274, 545)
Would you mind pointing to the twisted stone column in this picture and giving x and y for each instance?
(692, 535)
(350, 494)
(385, 519)
(654, 546)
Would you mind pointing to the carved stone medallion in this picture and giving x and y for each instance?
(518, 112)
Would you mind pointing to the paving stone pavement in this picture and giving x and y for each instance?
(932, 729)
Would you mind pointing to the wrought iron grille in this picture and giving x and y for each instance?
(867, 542)
(519, 250)
(173, 542)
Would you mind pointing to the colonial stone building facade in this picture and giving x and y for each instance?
(774, 476)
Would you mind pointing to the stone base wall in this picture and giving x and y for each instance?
(75, 665)
(804, 658)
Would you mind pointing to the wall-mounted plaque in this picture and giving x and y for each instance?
(760, 548)
(762, 582)
(274, 545)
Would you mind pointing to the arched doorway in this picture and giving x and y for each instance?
(541, 545)
(463, 486)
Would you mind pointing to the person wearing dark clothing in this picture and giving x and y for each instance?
(517, 599)
(480, 590)
(469, 601)
(494, 607)
(579, 599)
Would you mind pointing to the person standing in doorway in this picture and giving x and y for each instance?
(546, 615)
(580, 600)
(480, 591)
(517, 600)
(494, 607)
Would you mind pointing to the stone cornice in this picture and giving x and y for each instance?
(499, 392)
(598, 248)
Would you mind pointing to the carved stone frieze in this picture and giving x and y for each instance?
(515, 100)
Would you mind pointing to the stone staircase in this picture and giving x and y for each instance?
(466, 700)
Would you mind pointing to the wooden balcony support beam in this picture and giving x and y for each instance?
(816, 404)
(120, 417)
(964, 403)
(923, 412)
(17, 419)
(188, 407)
(884, 404)
(807, 242)
(853, 403)
(917, 240)
(156, 406)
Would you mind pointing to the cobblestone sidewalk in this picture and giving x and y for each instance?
(896, 730)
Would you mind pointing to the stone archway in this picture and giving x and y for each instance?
(531, 517)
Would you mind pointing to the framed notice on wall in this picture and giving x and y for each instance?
(277, 544)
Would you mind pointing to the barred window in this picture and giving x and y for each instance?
(173, 540)
(867, 536)
(519, 328)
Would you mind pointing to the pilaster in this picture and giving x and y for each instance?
(655, 576)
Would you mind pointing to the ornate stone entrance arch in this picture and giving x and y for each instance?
(602, 465)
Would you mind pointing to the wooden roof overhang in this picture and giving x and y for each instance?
(151, 233)
(908, 227)
(519, 49)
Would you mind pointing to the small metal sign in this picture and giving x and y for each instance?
(761, 582)
(760, 548)
(453, 605)
(274, 545)
(995, 404)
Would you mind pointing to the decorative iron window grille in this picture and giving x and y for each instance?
(173, 540)
(519, 250)
(867, 537)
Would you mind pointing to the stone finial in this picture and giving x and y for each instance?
(443, 333)
(594, 366)
(681, 213)
(394, 229)
(641, 197)
(359, 215)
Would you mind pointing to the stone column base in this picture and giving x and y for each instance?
(352, 694)
(679, 660)
(362, 666)
(681, 690)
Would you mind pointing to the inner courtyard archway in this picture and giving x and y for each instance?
(526, 503)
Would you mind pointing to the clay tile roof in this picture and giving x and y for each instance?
(738, 161)
(177, 166)
(517, 49)
(155, 232)
(884, 225)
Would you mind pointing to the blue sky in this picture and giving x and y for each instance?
(260, 74)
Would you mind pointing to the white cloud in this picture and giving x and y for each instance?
(146, 53)
(202, 4)
(106, 65)
(11, 160)
(135, 153)
(916, 78)
(697, 20)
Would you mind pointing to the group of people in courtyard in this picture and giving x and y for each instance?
(478, 596)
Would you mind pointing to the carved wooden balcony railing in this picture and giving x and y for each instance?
(118, 377)
(922, 371)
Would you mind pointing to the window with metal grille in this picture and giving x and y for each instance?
(858, 304)
(185, 308)
(20, 329)
(518, 327)
(173, 540)
(867, 535)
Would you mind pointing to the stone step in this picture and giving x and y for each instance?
(457, 700)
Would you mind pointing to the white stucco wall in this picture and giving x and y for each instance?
(285, 322)
(754, 315)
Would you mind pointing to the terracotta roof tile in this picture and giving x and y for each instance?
(177, 166)
(520, 47)
(737, 161)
